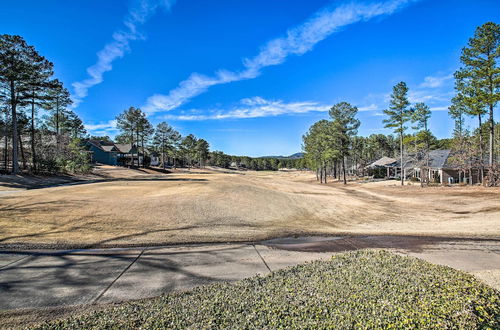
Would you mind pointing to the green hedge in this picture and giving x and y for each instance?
(362, 289)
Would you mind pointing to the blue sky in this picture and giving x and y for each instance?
(250, 77)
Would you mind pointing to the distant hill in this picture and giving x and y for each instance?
(296, 155)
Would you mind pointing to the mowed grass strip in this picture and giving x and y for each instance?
(365, 289)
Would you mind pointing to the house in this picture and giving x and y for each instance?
(110, 153)
(381, 167)
(436, 166)
(442, 169)
(155, 159)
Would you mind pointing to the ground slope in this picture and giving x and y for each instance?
(137, 207)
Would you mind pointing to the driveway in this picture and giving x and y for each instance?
(49, 278)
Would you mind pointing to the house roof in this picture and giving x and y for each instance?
(438, 158)
(124, 148)
(382, 162)
(105, 146)
(108, 148)
(95, 143)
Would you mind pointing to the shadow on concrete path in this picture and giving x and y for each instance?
(56, 278)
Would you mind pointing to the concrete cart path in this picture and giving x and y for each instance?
(37, 279)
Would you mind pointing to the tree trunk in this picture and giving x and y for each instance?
(131, 146)
(143, 153)
(22, 151)
(401, 157)
(163, 156)
(137, 139)
(15, 165)
(6, 142)
(415, 143)
(5, 151)
(57, 124)
(33, 155)
(427, 151)
(492, 136)
(481, 152)
(343, 169)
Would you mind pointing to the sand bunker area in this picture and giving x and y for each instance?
(142, 207)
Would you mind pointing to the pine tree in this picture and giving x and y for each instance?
(321, 148)
(420, 117)
(460, 158)
(19, 64)
(145, 130)
(58, 100)
(165, 139)
(478, 81)
(37, 95)
(399, 114)
(188, 148)
(345, 126)
(202, 150)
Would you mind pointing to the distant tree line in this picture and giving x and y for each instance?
(220, 159)
(177, 151)
(37, 128)
(163, 140)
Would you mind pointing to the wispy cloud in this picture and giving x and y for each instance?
(435, 81)
(437, 98)
(436, 91)
(253, 108)
(428, 96)
(298, 41)
(370, 107)
(443, 108)
(106, 128)
(233, 130)
(137, 15)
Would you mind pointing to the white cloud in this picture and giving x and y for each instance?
(415, 96)
(106, 128)
(435, 91)
(297, 41)
(259, 107)
(253, 108)
(435, 81)
(443, 108)
(370, 107)
(138, 14)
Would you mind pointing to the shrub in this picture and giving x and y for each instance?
(69, 157)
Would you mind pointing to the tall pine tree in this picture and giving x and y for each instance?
(478, 80)
(399, 114)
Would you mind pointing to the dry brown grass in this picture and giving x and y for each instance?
(206, 206)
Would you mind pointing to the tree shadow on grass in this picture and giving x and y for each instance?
(352, 243)
(30, 185)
